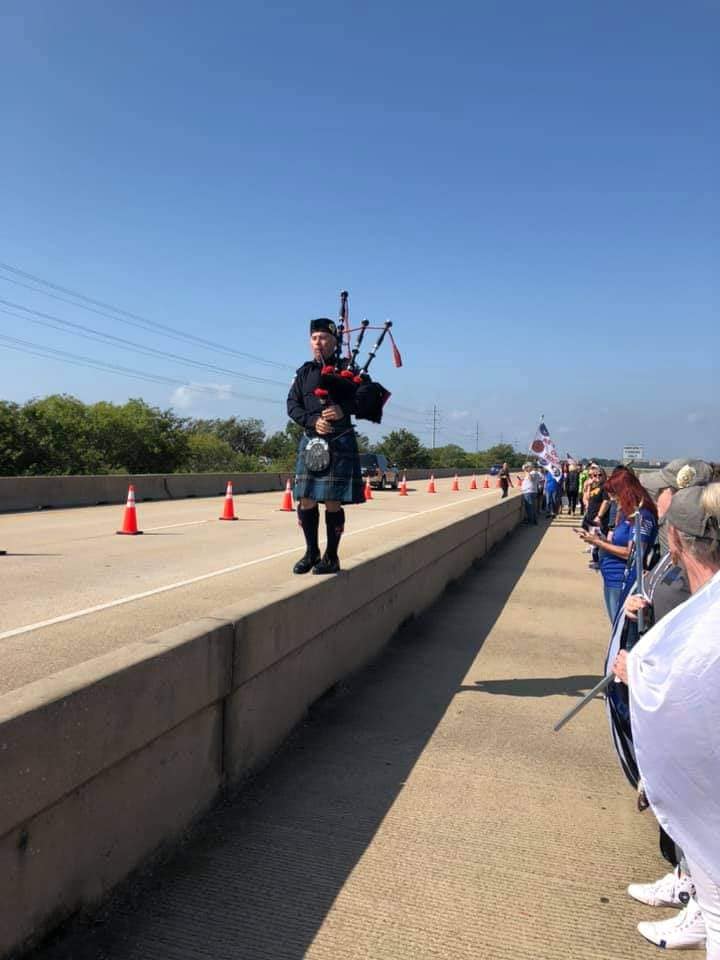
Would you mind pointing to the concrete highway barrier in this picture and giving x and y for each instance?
(103, 764)
(41, 493)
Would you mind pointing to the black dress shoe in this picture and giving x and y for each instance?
(327, 565)
(306, 564)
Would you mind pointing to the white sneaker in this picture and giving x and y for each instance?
(685, 931)
(672, 890)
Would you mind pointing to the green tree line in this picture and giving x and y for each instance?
(61, 435)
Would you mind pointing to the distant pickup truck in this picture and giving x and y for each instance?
(375, 468)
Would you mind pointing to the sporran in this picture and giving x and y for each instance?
(317, 455)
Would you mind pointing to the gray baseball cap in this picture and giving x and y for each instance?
(679, 473)
(686, 513)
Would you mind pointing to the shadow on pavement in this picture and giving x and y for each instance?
(576, 686)
(15, 553)
(257, 878)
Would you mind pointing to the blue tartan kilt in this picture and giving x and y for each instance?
(341, 481)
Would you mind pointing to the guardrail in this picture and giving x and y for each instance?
(38, 493)
(104, 763)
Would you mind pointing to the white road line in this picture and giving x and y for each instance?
(17, 631)
(187, 523)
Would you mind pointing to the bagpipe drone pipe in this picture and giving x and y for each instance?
(344, 382)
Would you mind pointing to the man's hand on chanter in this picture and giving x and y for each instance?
(333, 412)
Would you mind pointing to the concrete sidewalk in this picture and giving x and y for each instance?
(425, 809)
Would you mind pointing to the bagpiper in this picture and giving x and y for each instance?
(325, 393)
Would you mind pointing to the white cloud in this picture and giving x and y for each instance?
(458, 414)
(188, 394)
(695, 416)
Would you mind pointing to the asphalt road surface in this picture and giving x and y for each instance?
(73, 590)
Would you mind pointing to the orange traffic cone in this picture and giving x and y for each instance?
(473, 483)
(498, 484)
(368, 490)
(455, 484)
(229, 508)
(403, 487)
(486, 484)
(287, 504)
(129, 521)
(431, 485)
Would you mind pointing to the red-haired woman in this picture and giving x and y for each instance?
(631, 497)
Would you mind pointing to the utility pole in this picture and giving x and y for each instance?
(477, 437)
(434, 424)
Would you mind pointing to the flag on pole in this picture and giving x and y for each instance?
(544, 451)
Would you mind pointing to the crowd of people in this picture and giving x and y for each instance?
(664, 653)
(579, 486)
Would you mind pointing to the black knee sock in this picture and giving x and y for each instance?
(309, 520)
(334, 524)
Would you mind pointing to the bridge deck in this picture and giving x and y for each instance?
(73, 590)
(426, 809)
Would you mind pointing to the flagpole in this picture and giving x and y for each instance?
(598, 688)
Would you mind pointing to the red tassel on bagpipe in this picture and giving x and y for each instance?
(397, 359)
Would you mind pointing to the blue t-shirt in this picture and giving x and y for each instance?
(612, 567)
(648, 536)
(616, 571)
(551, 483)
(648, 530)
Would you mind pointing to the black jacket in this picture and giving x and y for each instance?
(304, 407)
(572, 481)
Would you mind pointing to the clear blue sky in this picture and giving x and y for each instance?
(530, 192)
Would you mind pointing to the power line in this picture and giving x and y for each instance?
(117, 314)
(77, 360)
(51, 353)
(90, 333)
(132, 319)
(124, 316)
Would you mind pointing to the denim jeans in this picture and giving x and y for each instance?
(612, 600)
(529, 500)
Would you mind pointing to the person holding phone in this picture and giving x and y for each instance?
(614, 548)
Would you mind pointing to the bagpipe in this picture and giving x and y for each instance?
(344, 381)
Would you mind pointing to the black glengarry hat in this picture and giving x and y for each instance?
(323, 325)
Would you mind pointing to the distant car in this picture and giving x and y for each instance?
(495, 469)
(375, 468)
